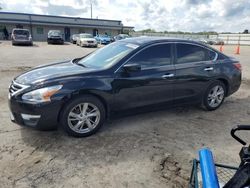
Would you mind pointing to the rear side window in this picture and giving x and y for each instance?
(187, 53)
(153, 56)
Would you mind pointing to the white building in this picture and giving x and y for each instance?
(39, 25)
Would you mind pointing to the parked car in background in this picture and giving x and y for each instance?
(215, 41)
(121, 36)
(103, 39)
(73, 38)
(202, 40)
(21, 37)
(218, 41)
(55, 37)
(132, 73)
(87, 40)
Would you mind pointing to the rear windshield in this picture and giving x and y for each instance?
(21, 32)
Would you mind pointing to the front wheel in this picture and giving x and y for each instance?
(214, 96)
(83, 116)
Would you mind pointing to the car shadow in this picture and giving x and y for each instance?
(163, 128)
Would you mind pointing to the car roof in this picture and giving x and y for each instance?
(20, 29)
(54, 31)
(144, 40)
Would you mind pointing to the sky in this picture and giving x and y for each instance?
(161, 15)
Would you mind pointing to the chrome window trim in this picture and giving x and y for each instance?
(140, 51)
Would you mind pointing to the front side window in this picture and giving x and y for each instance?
(187, 53)
(153, 56)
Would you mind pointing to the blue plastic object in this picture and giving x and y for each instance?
(208, 170)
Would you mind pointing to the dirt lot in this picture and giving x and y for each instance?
(146, 150)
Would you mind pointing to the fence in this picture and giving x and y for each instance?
(187, 36)
(242, 39)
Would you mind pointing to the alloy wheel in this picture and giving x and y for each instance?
(216, 96)
(83, 118)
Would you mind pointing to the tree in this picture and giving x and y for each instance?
(245, 31)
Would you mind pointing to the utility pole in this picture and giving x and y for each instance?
(91, 8)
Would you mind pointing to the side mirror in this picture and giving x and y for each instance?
(132, 67)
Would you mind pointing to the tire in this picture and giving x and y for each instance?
(211, 100)
(78, 125)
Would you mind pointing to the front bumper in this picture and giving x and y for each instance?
(42, 116)
(89, 44)
(55, 40)
(104, 42)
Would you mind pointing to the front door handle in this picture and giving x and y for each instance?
(208, 69)
(165, 76)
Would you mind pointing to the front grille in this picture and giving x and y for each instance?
(16, 88)
(90, 41)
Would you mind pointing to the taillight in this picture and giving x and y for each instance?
(238, 66)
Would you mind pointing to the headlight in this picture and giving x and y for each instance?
(41, 95)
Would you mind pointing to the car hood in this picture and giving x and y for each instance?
(51, 71)
(88, 39)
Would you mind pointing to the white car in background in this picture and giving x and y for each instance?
(86, 39)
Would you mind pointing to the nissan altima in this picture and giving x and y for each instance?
(82, 93)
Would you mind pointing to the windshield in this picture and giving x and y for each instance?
(104, 36)
(108, 55)
(75, 35)
(86, 36)
(57, 33)
(21, 32)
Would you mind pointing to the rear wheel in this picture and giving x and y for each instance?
(214, 96)
(83, 116)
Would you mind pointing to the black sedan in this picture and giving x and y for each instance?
(137, 72)
(55, 37)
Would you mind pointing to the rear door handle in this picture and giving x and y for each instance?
(170, 75)
(208, 69)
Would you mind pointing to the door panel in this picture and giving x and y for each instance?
(67, 33)
(146, 87)
(150, 85)
(195, 68)
(191, 80)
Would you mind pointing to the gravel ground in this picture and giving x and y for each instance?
(145, 150)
